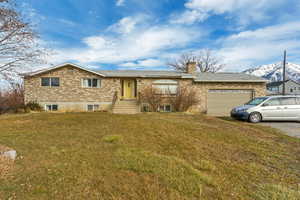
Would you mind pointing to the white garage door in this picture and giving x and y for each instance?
(221, 102)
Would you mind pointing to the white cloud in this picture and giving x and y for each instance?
(189, 17)
(244, 11)
(120, 2)
(136, 45)
(144, 63)
(259, 46)
(128, 24)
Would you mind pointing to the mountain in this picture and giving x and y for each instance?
(273, 72)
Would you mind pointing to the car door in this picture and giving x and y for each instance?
(290, 108)
(272, 109)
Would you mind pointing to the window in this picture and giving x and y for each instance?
(272, 102)
(291, 90)
(51, 107)
(288, 101)
(273, 89)
(91, 83)
(93, 107)
(47, 81)
(166, 86)
(165, 108)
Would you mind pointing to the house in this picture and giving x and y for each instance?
(70, 87)
(291, 87)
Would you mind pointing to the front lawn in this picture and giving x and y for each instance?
(146, 156)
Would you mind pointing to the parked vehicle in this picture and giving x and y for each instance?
(269, 108)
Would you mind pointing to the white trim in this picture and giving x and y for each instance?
(63, 65)
(87, 107)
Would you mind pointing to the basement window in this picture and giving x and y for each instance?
(51, 107)
(165, 108)
(93, 107)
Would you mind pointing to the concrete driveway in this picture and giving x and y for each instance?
(290, 128)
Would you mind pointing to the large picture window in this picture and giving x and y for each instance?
(91, 83)
(166, 86)
(50, 81)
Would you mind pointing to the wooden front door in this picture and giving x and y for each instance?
(129, 88)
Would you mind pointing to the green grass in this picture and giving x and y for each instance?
(146, 156)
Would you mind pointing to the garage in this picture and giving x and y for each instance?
(221, 101)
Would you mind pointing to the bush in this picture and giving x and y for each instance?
(13, 99)
(184, 99)
(34, 106)
(152, 97)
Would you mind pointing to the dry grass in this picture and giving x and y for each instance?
(145, 156)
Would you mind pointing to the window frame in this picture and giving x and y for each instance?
(164, 106)
(168, 83)
(51, 107)
(50, 81)
(90, 81)
(93, 106)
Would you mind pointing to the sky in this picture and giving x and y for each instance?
(147, 34)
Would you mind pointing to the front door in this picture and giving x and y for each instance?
(128, 87)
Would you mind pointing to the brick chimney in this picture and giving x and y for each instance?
(191, 67)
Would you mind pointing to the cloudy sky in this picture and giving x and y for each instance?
(146, 34)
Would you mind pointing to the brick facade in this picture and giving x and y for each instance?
(70, 95)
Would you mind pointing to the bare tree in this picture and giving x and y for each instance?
(18, 41)
(205, 60)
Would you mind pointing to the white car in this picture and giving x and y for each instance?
(269, 108)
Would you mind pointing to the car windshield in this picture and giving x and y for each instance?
(257, 101)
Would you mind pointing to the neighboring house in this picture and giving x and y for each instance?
(291, 87)
(70, 87)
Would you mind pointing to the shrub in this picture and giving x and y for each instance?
(185, 98)
(152, 97)
(34, 106)
(13, 99)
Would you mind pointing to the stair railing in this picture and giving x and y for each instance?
(115, 98)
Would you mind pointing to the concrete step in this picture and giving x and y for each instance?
(126, 107)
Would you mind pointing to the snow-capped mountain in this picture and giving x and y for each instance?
(273, 72)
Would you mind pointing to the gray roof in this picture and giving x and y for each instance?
(144, 74)
(227, 77)
(198, 77)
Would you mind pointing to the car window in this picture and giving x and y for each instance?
(288, 101)
(272, 102)
(256, 101)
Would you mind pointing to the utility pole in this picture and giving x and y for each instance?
(284, 79)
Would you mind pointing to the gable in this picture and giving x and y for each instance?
(60, 67)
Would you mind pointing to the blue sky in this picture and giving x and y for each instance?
(144, 34)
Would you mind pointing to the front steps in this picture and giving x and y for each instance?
(126, 107)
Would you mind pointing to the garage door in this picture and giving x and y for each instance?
(220, 102)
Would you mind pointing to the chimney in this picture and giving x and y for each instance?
(191, 67)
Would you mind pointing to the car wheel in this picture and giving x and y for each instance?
(255, 117)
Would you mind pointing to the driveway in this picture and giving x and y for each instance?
(290, 128)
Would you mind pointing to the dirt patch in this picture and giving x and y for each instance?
(6, 164)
